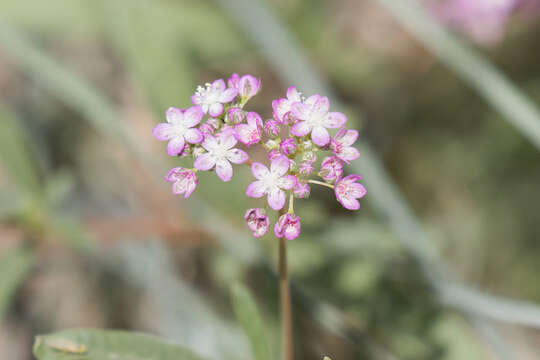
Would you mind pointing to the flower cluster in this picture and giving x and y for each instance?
(296, 135)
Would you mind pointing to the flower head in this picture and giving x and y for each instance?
(179, 128)
(271, 182)
(288, 225)
(257, 221)
(220, 154)
(184, 181)
(212, 97)
(314, 117)
(347, 190)
(282, 107)
(249, 133)
(341, 145)
(331, 168)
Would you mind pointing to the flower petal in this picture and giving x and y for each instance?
(312, 100)
(196, 99)
(287, 182)
(224, 169)
(322, 105)
(190, 188)
(172, 174)
(256, 189)
(254, 120)
(228, 95)
(280, 165)
(348, 137)
(215, 109)
(219, 84)
(300, 111)
(174, 115)
(320, 136)
(194, 136)
(301, 128)
(349, 203)
(259, 170)
(276, 198)
(249, 85)
(192, 116)
(335, 120)
(210, 142)
(204, 162)
(227, 138)
(293, 94)
(348, 154)
(175, 145)
(237, 156)
(162, 131)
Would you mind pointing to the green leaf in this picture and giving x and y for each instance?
(87, 344)
(248, 315)
(14, 266)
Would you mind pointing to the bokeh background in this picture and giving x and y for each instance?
(441, 261)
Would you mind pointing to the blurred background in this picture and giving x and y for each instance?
(441, 261)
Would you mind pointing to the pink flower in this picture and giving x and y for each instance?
(341, 145)
(179, 128)
(184, 181)
(247, 85)
(347, 191)
(331, 168)
(315, 119)
(282, 107)
(257, 221)
(274, 154)
(212, 97)
(220, 154)
(235, 115)
(271, 127)
(271, 182)
(249, 133)
(305, 168)
(301, 190)
(288, 225)
(288, 146)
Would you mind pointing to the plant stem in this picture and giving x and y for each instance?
(285, 299)
(321, 183)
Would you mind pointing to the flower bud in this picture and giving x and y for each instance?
(184, 181)
(257, 221)
(331, 168)
(288, 225)
(271, 127)
(288, 146)
(301, 190)
(235, 116)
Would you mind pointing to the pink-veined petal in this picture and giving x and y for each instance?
(215, 109)
(291, 232)
(193, 116)
(276, 198)
(237, 156)
(259, 170)
(300, 111)
(210, 142)
(219, 84)
(227, 138)
(254, 120)
(174, 115)
(310, 101)
(243, 133)
(348, 138)
(320, 136)
(196, 99)
(351, 178)
(194, 136)
(224, 170)
(280, 165)
(322, 105)
(256, 189)
(335, 120)
(204, 162)
(358, 190)
(287, 182)
(349, 203)
(162, 131)
(301, 128)
(175, 145)
(249, 85)
(190, 188)
(293, 94)
(348, 154)
(228, 95)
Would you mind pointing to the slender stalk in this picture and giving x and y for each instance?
(285, 300)
(321, 183)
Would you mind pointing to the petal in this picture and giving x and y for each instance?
(204, 162)
(348, 154)
(256, 189)
(276, 198)
(287, 182)
(227, 138)
(243, 132)
(193, 116)
(254, 120)
(312, 100)
(249, 85)
(291, 231)
(322, 105)
(237, 156)
(215, 109)
(218, 84)
(196, 99)
(190, 188)
(301, 128)
(349, 203)
(348, 138)
(358, 190)
(224, 169)
(179, 187)
(300, 111)
(280, 165)
(293, 95)
(320, 136)
(228, 95)
(259, 170)
(162, 131)
(351, 178)
(210, 142)
(335, 120)
(171, 174)
(194, 136)
(175, 145)
(174, 115)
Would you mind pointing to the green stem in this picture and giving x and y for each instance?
(321, 183)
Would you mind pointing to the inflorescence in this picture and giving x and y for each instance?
(293, 138)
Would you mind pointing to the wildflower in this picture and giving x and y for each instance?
(331, 168)
(220, 154)
(271, 127)
(249, 133)
(347, 190)
(315, 118)
(179, 128)
(301, 190)
(212, 97)
(235, 116)
(288, 225)
(271, 182)
(246, 85)
(257, 221)
(282, 107)
(341, 145)
(184, 181)
(288, 146)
